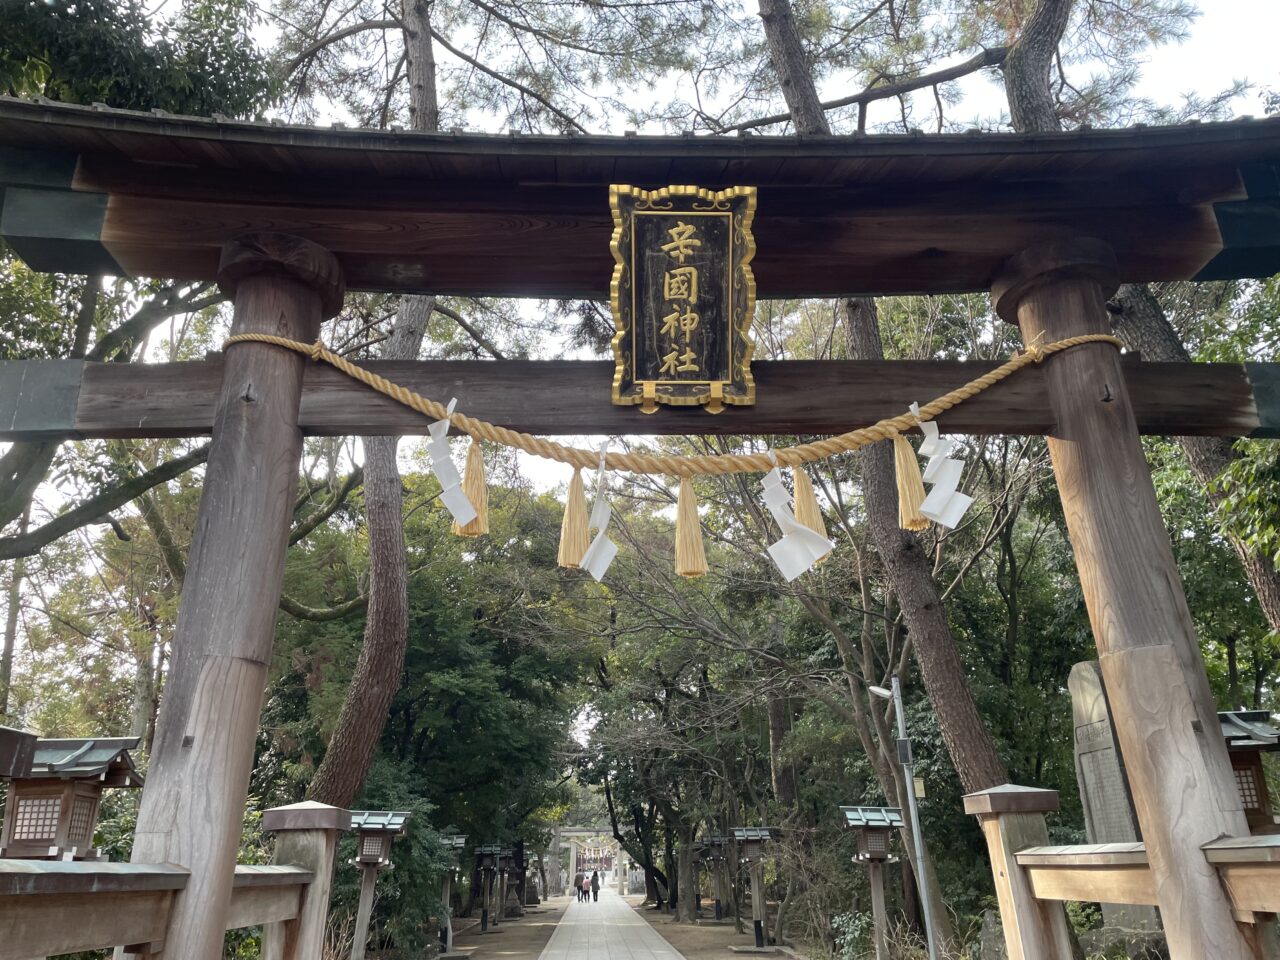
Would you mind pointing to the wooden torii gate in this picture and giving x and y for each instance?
(286, 217)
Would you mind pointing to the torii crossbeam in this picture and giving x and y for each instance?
(286, 217)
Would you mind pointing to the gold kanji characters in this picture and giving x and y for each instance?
(681, 284)
(683, 243)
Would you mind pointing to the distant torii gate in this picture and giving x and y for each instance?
(284, 218)
(576, 834)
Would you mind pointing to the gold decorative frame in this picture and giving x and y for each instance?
(740, 205)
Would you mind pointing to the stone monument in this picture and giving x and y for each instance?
(1104, 792)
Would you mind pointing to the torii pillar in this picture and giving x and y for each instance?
(1164, 713)
(193, 804)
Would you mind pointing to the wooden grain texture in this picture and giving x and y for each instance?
(1264, 849)
(58, 923)
(567, 397)
(879, 915)
(302, 937)
(254, 906)
(1165, 718)
(1106, 883)
(812, 250)
(484, 214)
(1087, 854)
(1033, 930)
(364, 910)
(1253, 887)
(40, 877)
(193, 805)
(442, 213)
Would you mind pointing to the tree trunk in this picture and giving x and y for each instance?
(791, 64)
(784, 784)
(968, 741)
(1137, 317)
(687, 901)
(1032, 108)
(377, 675)
(144, 690)
(780, 920)
(17, 573)
(420, 63)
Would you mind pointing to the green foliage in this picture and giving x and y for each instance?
(1250, 490)
(113, 52)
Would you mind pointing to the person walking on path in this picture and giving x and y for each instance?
(577, 884)
(595, 885)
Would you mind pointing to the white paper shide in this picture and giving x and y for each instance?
(800, 548)
(945, 505)
(602, 550)
(451, 495)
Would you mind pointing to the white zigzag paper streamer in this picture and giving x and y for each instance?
(800, 548)
(451, 495)
(602, 550)
(945, 505)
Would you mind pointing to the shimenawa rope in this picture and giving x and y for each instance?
(676, 466)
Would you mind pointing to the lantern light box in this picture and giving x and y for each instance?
(487, 856)
(52, 810)
(715, 845)
(751, 842)
(375, 829)
(874, 825)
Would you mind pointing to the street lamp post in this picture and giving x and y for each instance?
(905, 758)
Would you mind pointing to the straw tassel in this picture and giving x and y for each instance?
(477, 491)
(806, 506)
(910, 485)
(691, 560)
(573, 530)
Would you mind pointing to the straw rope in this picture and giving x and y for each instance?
(676, 466)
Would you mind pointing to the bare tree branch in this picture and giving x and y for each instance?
(311, 50)
(471, 330)
(508, 81)
(987, 58)
(96, 507)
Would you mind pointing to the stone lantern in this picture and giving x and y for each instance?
(874, 826)
(507, 866)
(1250, 734)
(52, 810)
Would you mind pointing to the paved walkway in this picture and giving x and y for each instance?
(606, 929)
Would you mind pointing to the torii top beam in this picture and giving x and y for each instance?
(121, 192)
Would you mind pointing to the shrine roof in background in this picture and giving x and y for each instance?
(91, 189)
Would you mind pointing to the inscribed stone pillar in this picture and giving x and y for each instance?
(1104, 793)
(192, 807)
